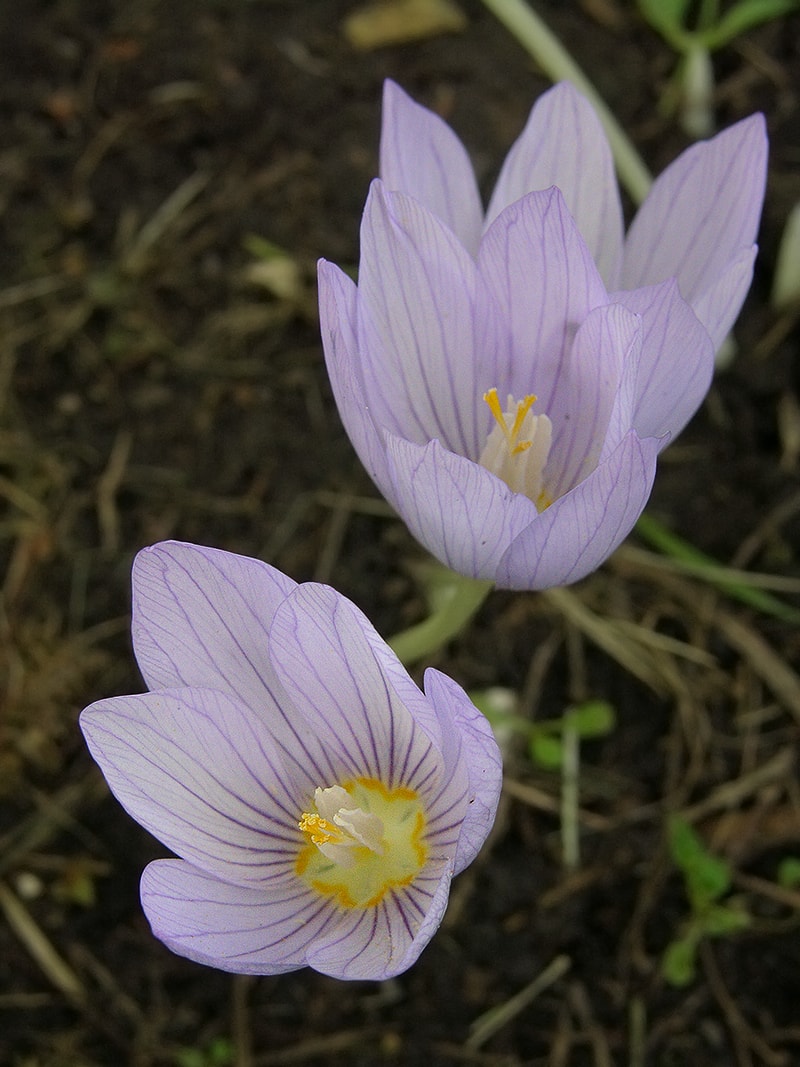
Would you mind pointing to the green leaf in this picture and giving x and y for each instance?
(723, 919)
(707, 877)
(678, 961)
(789, 872)
(664, 15)
(262, 248)
(547, 751)
(595, 718)
(744, 16)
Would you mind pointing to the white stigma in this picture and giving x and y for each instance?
(339, 828)
(517, 447)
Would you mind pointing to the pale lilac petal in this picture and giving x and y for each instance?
(407, 690)
(233, 928)
(482, 758)
(718, 307)
(700, 213)
(338, 314)
(464, 515)
(584, 393)
(543, 279)
(449, 720)
(580, 531)
(676, 362)
(563, 144)
(421, 156)
(327, 667)
(621, 419)
(200, 772)
(383, 941)
(201, 617)
(425, 330)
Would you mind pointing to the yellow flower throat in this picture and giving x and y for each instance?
(362, 841)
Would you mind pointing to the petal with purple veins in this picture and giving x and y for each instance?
(385, 940)
(464, 515)
(578, 532)
(544, 281)
(337, 312)
(481, 757)
(425, 327)
(563, 144)
(234, 928)
(327, 667)
(584, 392)
(701, 212)
(201, 773)
(201, 617)
(676, 362)
(718, 307)
(421, 156)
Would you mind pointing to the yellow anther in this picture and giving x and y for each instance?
(319, 830)
(515, 447)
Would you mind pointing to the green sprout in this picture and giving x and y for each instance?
(695, 31)
(789, 873)
(707, 879)
(553, 745)
(545, 739)
(218, 1053)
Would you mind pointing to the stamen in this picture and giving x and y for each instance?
(517, 448)
(320, 830)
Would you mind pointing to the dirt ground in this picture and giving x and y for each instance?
(160, 377)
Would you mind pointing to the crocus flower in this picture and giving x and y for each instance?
(319, 802)
(506, 403)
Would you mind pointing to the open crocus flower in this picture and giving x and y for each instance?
(319, 802)
(505, 403)
(697, 224)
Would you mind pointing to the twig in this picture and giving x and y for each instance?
(54, 966)
(776, 674)
(488, 1024)
(107, 486)
(744, 1037)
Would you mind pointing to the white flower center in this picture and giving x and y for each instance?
(362, 841)
(517, 447)
(337, 828)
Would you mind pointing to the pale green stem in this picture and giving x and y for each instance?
(520, 19)
(459, 602)
(570, 790)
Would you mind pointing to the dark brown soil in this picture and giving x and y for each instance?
(152, 387)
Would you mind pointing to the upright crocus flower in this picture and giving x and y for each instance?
(319, 802)
(505, 403)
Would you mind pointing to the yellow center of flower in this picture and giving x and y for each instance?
(517, 447)
(362, 841)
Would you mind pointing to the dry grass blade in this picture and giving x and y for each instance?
(496, 1018)
(776, 674)
(54, 966)
(639, 662)
(731, 794)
